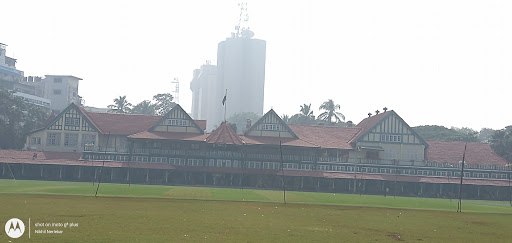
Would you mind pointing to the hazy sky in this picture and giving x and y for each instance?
(434, 62)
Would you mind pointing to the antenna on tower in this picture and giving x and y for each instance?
(176, 81)
(242, 29)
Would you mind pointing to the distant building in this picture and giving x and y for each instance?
(61, 90)
(205, 94)
(241, 71)
(12, 79)
(55, 92)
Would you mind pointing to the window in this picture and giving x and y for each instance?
(290, 166)
(57, 80)
(139, 159)
(482, 175)
(338, 168)
(88, 139)
(443, 173)
(195, 162)
(391, 138)
(159, 159)
(266, 165)
(457, 174)
(121, 158)
(57, 91)
(323, 167)
(53, 139)
(35, 140)
(306, 167)
(270, 127)
(177, 122)
(72, 121)
(70, 139)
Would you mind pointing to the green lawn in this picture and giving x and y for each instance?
(228, 194)
(147, 213)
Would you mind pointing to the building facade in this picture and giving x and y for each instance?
(54, 92)
(380, 155)
(61, 90)
(239, 74)
(206, 95)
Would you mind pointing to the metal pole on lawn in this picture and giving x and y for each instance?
(459, 205)
(242, 162)
(12, 174)
(103, 166)
(282, 173)
(509, 188)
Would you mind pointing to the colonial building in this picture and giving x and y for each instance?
(380, 155)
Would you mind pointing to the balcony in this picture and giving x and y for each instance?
(100, 149)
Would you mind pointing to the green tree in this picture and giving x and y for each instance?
(17, 118)
(501, 143)
(121, 105)
(440, 133)
(286, 118)
(240, 120)
(163, 103)
(485, 134)
(305, 110)
(331, 112)
(145, 107)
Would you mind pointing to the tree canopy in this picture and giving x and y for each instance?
(163, 103)
(145, 107)
(331, 112)
(240, 120)
(121, 105)
(501, 143)
(440, 133)
(17, 118)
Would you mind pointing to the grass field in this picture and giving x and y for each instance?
(148, 213)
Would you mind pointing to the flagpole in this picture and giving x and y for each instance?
(225, 104)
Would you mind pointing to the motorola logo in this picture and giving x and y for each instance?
(14, 228)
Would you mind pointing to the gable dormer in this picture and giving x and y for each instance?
(71, 119)
(270, 125)
(389, 128)
(177, 120)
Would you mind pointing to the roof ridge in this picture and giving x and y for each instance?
(86, 114)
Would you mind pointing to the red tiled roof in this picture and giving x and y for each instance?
(451, 152)
(201, 124)
(125, 124)
(326, 137)
(369, 122)
(41, 155)
(170, 136)
(256, 140)
(49, 119)
(120, 124)
(224, 134)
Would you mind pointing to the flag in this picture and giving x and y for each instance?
(224, 99)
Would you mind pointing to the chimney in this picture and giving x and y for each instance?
(350, 124)
(249, 125)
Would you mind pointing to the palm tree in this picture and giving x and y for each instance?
(121, 105)
(145, 107)
(305, 110)
(331, 111)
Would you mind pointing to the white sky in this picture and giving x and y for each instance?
(435, 62)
